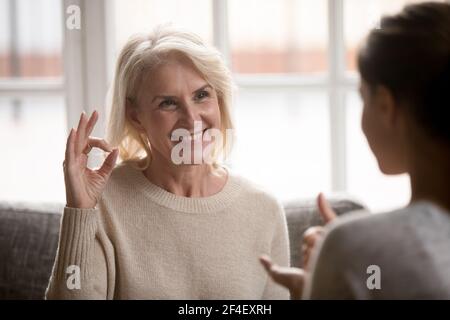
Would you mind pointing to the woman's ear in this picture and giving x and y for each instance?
(386, 105)
(131, 112)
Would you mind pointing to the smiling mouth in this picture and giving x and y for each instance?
(198, 134)
(193, 135)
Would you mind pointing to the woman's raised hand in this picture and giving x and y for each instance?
(313, 234)
(294, 278)
(84, 186)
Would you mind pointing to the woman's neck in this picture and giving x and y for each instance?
(430, 173)
(186, 180)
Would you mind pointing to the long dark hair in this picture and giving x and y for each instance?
(410, 55)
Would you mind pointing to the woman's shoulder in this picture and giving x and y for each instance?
(421, 210)
(396, 226)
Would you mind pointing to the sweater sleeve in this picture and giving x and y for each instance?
(279, 254)
(84, 266)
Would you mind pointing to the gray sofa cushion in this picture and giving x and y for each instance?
(29, 239)
(28, 242)
(301, 215)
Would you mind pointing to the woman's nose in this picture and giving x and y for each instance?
(191, 113)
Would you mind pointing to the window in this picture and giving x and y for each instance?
(146, 14)
(296, 112)
(33, 131)
(32, 109)
(31, 41)
(286, 146)
(275, 36)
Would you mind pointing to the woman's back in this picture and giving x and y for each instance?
(404, 254)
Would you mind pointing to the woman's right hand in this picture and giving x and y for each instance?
(84, 186)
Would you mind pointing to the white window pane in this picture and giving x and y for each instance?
(33, 137)
(278, 36)
(138, 16)
(378, 191)
(283, 141)
(361, 16)
(30, 38)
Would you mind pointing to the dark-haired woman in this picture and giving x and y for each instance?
(404, 254)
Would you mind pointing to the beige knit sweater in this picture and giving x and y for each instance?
(142, 242)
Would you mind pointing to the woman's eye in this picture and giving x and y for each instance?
(168, 105)
(202, 94)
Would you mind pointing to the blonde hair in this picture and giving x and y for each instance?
(139, 56)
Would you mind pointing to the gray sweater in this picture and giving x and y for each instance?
(404, 254)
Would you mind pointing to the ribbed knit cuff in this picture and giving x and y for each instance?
(76, 243)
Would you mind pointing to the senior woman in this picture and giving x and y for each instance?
(152, 227)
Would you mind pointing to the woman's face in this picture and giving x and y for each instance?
(383, 125)
(175, 96)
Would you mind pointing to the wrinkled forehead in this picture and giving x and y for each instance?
(174, 74)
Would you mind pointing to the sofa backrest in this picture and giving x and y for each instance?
(302, 214)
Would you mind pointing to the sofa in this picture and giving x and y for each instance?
(29, 239)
